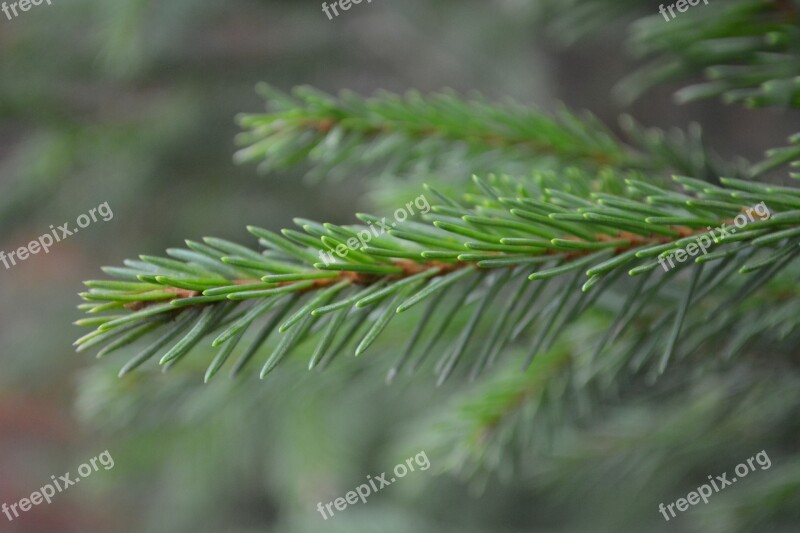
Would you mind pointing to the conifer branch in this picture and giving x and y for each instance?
(420, 135)
(545, 229)
(748, 50)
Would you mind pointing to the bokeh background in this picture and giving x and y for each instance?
(132, 102)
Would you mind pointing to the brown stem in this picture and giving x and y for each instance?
(493, 139)
(411, 267)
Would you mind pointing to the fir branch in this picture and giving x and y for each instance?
(748, 50)
(489, 429)
(442, 132)
(546, 229)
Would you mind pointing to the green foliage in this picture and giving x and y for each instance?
(551, 262)
(748, 50)
(445, 136)
(546, 422)
(779, 157)
(551, 229)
